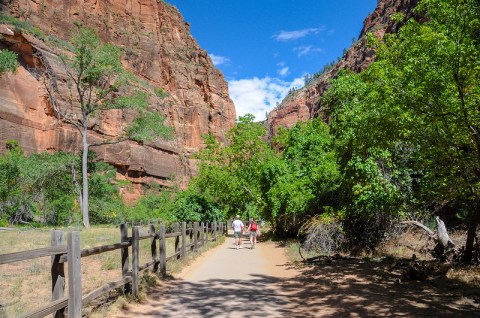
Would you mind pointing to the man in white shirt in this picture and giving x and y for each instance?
(238, 227)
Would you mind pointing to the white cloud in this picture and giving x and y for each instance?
(257, 96)
(296, 34)
(307, 49)
(218, 60)
(283, 71)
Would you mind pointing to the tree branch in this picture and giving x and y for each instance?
(420, 225)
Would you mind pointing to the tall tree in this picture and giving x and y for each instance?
(437, 84)
(230, 176)
(422, 95)
(97, 83)
(299, 182)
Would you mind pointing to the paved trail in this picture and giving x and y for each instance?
(225, 282)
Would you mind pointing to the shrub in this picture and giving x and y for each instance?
(323, 234)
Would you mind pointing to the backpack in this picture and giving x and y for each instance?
(253, 227)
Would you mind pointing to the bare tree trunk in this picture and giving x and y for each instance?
(420, 225)
(443, 234)
(84, 205)
(471, 235)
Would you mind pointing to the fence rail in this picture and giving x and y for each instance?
(198, 234)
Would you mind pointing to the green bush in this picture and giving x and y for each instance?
(8, 61)
(106, 203)
(151, 206)
(191, 206)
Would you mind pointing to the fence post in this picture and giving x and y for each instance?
(190, 234)
(195, 236)
(163, 252)
(135, 260)
(184, 239)
(205, 233)
(58, 273)
(214, 238)
(153, 247)
(202, 233)
(127, 288)
(176, 229)
(74, 275)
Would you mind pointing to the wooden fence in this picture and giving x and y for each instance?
(197, 233)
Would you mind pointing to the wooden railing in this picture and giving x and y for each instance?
(198, 233)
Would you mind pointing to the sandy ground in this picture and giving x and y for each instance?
(225, 282)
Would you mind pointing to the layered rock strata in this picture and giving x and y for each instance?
(158, 48)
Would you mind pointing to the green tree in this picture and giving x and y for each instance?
(301, 180)
(11, 199)
(98, 83)
(420, 96)
(192, 206)
(51, 186)
(248, 177)
(106, 203)
(230, 176)
(376, 183)
(28, 193)
(438, 86)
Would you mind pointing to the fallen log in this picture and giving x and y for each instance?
(443, 243)
(7, 229)
(420, 225)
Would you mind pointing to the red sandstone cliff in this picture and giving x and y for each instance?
(159, 49)
(305, 103)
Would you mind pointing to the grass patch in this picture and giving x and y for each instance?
(25, 26)
(26, 286)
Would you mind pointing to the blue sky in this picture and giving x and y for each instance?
(265, 47)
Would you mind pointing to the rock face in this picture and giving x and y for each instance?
(159, 49)
(305, 103)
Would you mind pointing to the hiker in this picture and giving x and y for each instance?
(238, 229)
(253, 230)
(263, 222)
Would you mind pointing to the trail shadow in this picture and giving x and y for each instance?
(352, 287)
(258, 297)
(346, 287)
(331, 288)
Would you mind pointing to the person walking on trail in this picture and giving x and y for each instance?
(253, 231)
(238, 228)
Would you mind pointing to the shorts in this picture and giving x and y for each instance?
(253, 233)
(237, 234)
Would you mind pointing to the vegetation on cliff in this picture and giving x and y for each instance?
(98, 82)
(8, 61)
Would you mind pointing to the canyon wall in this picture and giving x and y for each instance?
(305, 103)
(158, 48)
